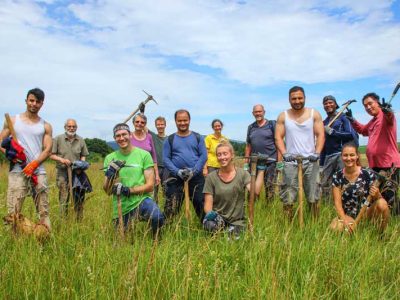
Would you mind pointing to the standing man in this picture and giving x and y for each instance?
(184, 154)
(338, 134)
(158, 140)
(68, 148)
(300, 133)
(382, 151)
(261, 139)
(133, 168)
(26, 157)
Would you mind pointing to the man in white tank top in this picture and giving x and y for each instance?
(34, 135)
(300, 132)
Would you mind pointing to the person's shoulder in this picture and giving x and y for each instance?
(111, 155)
(60, 136)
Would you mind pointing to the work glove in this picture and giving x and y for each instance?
(30, 168)
(185, 174)
(246, 167)
(210, 216)
(14, 151)
(329, 130)
(142, 107)
(287, 157)
(349, 115)
(113, 168)
(80, 165)
(280, 165)
(120, 190)
(313, 157)
(386, 107)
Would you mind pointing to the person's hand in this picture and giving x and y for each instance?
(65, 161)
(246, 167)
(142, 107)
(349, 115)
(386, 107)
(205, 171)
(30, 168)
(287, 157)
(120, 190)
(313, 157)
(185, 174)
(280, 165)
(210, 216)
(374, 193)
(349, 224)
(113, 168)
(158, 180)
(329, 130)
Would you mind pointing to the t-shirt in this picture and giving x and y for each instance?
(228, 197)
(132, 175)
(146, 144)
(212, 142)
(72, 150)
(158, 144)
(354, 194)
(382, 149)
(262, 139)
(185, 152)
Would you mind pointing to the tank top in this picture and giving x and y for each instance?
(30, 136)
(299, 138)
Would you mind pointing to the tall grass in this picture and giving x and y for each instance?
(279, 261)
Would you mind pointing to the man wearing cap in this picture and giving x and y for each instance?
(129, 176)
(68, 148)
(336, 135)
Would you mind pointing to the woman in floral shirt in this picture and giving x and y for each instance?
(353, 188)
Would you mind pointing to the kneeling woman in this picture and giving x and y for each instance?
(224, 192)
(353, 188)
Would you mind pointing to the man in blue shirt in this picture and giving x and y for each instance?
(184, 155)
(338, 134)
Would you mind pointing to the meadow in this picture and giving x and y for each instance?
(278, 261)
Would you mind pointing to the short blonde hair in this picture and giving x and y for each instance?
(225, 143)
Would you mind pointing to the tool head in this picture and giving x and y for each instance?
(349, 102)
(149, 97)
(396, 89)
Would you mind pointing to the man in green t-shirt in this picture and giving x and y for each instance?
(130, 176)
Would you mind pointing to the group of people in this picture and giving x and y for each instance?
(146, 160)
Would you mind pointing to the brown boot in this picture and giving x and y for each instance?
(288, 211)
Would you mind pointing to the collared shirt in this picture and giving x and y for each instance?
(211, 144)
(382, 149)
(70, 149)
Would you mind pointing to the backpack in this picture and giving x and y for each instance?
(172, 136)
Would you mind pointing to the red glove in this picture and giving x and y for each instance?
(30, 168)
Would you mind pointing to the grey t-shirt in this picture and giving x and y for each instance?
(158, 144)
(262, 139)
(228, 197)
(71, 150)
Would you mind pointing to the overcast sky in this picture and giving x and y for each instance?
(215, 58)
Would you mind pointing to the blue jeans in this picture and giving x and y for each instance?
(147, 210)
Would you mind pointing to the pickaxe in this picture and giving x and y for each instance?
(149, 97)
(340, 112)
(396, 89)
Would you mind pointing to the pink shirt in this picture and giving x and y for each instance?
(147, 144)
(382, 142)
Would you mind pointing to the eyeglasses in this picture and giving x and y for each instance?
(70, 126)
(140, 122)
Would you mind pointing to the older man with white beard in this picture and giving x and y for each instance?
(68, 148)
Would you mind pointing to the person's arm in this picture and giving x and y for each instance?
(346, 134)
(319, 132)
(147, 187)
(348, 221)
(47, 143)
(198, 168)
(167, 157)
(360, 128)
(208, 146)
(208, 202)
(5, 132)
(259, 182)
(56, 157)
(280, 134)
(107, 185)
(389, 117)
(84, 151)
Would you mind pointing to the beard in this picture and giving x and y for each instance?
(298, 106)
(70, 134)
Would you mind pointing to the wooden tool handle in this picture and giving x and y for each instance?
(11, 126)
(187, 200)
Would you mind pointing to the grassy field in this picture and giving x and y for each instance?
(280, 261)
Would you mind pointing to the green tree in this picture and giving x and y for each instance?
(98, 149)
